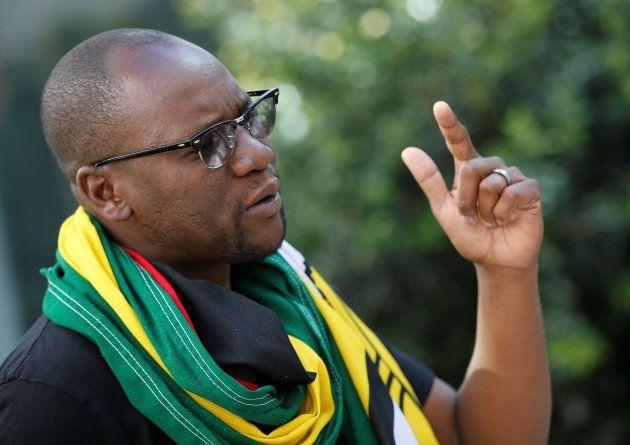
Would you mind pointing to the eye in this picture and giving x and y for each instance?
(262, 118)
(216, 146)
(209, 142)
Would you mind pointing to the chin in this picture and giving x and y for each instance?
(256, 246)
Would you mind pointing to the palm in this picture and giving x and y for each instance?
(513, 234)
(515, 245)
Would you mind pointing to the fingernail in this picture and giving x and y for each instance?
(470, 219)
(501, 222)
(488, 224)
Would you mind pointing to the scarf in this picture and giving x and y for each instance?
(114, 298)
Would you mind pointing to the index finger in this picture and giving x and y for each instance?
(455, 134)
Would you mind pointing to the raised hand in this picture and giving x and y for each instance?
(490, 222)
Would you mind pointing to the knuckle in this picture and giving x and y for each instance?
(465, 206)
(454, 139)
(535, 184)
(477, 165)
(500, 209)
(487, 186)
(537, 189)
(509, 194)
(477, 162)
(429, 176)
(457, 135)
(531, 186)
(483, 165)
(485, 209)
(467, 169)
(496, 160)
(463, 132)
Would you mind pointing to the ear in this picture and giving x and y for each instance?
(97, 188)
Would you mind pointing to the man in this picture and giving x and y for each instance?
(176, 311)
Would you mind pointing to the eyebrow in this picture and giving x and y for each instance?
(242, 98)
(247, 102)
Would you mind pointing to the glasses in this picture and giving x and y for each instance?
(216, 143)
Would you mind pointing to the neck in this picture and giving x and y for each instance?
(215, 273)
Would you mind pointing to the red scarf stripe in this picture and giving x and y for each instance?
(249, 385)
(157, 276)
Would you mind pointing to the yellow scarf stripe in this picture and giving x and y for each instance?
(81, 247)
(352, 348)
(354, 339)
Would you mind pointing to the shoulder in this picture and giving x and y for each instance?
(41, 389)
(35, 412)
(56, 356)
(57, 386)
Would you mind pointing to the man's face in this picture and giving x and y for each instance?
(190, 214)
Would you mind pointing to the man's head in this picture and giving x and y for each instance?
(127, 90)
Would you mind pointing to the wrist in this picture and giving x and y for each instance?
(507, 273)
(496, 284)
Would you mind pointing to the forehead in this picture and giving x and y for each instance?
(176, 90)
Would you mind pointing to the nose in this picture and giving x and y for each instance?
(250, 154)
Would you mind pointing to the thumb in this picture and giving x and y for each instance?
(427, 176)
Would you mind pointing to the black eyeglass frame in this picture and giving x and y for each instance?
(196, 139)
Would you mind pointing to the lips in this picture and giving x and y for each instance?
(267, 197)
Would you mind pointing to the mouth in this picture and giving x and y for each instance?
(266, 201)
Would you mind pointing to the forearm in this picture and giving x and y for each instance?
(506, 395)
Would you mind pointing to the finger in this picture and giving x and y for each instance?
(455, 134)
(520, 195)
(470, 175)
(490, 190)
(427, 175)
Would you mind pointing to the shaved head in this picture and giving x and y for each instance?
(85, 103)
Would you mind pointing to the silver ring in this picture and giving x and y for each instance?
(503, 172)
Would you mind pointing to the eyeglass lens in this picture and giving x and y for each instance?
(216, 146)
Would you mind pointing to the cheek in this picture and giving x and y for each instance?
(171, 195)
(205, 208)
(188, 209)
(201, 208)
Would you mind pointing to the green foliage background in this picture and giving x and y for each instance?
(544, 84)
